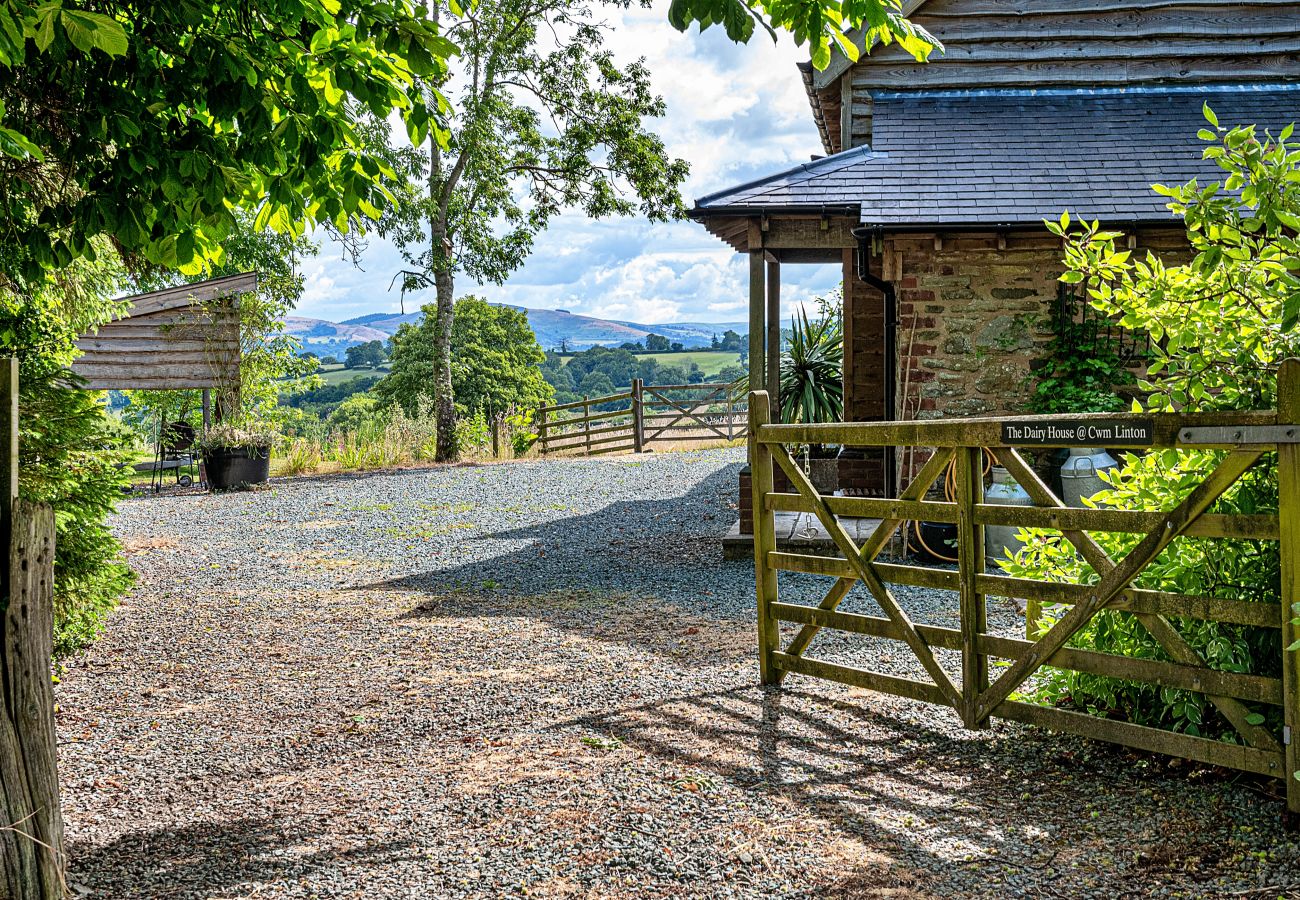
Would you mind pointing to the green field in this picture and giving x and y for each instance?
(337, 374)
(711, 362)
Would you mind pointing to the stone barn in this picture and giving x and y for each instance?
(936, 177)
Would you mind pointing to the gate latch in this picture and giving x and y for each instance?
(1240, 434)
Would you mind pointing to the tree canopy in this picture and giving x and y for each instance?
(495, 361)
(821, 24)
(149, 124)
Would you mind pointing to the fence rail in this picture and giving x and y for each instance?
(645, 415)
(1248, 438)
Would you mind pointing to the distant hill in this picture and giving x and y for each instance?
(309, 330)
(552, 327)
(329, 338)
(367, 319)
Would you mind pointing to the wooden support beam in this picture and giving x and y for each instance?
(757, 320)
(773, 383)
(808, 233)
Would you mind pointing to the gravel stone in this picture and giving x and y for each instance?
(539, 679)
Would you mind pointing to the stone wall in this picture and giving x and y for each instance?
(973, 318)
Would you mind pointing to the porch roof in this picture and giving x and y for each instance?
(1010, 158)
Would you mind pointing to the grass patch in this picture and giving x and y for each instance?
(453, 508)
(711, 362)
(333, 375)
(427, 530)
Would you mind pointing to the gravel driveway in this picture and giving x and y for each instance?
(538, 679)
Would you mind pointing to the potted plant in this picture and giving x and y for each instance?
(237, 454)
(812, 387)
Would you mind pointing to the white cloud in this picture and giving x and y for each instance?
(735, 112)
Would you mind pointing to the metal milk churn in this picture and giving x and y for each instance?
(999, 540)
(1079, 476)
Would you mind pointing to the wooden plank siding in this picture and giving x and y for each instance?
(178, 338)
(1069, 43)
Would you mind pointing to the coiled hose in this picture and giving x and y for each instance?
(950, 494)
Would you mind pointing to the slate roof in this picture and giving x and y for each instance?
(1015, 157)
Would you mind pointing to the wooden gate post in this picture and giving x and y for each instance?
(762, 483)
(970, 565)
(1288, 475)
(638, 416)
(541, 429)
(32, 857)
(586, 421)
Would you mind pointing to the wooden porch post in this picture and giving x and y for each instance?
(757, 298)
(774, 338)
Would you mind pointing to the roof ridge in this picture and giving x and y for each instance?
(1101, 91)
(817, 166)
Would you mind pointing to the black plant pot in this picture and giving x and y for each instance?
(936, 543)
(232, 467)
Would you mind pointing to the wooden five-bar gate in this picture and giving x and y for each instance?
(633, 420)
(1248, 439)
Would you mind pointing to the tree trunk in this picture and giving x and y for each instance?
(31, 825)
(443, 396)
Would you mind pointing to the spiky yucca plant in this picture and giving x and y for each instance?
(812, 370)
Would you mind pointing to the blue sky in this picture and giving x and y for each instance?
(735, 112)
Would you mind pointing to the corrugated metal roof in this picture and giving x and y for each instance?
(1017, 157)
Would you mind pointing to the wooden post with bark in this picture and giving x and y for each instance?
(1288, 477)
(32, 857)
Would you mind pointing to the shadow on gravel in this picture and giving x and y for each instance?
(203, 860)
(645, 548)
(1009, 812)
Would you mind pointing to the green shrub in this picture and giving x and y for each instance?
(1221, 325)
(1240, 570)
(355, 412)
(73, 457)
(473, 434)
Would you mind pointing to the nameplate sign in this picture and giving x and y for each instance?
(1092, 433)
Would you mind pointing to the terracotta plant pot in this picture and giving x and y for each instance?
(233, 467)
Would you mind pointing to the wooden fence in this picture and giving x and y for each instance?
(1247, 438)
(645, 415)
(31, 824)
